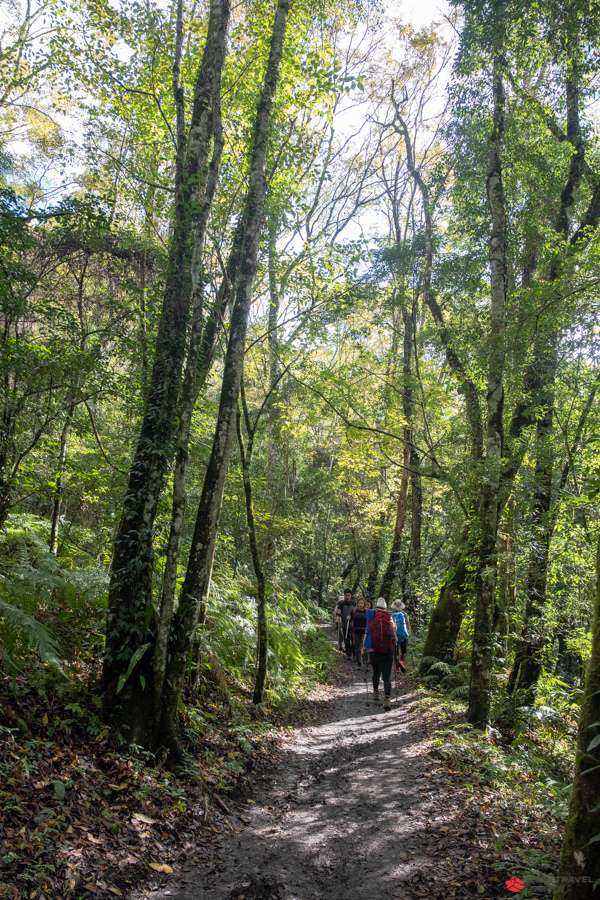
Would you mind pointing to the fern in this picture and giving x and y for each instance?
(460, 693)
(430, 662)
(442, 667)
(21, 633)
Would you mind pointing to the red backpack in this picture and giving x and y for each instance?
(381, 633)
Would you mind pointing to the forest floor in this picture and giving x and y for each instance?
(362, 805)
(332, 799)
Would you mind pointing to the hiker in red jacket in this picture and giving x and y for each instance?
(383, 641)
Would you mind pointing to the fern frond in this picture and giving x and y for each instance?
(460, 693)
(429, 663)
(442, 667)
(20, 632)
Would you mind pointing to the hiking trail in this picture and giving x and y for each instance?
(347, 813)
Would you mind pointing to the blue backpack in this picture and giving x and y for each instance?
(401, 629)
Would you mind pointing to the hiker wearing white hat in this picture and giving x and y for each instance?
(402, 631)
(382, 636)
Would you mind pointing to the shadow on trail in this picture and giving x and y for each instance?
(342, 817)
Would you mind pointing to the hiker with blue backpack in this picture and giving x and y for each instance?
(381, 641)
(402, 631)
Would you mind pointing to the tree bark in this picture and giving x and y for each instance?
(416, 521)
(202, 344)
(445, 622)
(409, 323)
(485, 579)
(62, 458)
(197, 580)
(446, 618)
(133, 555)
(261, 583)
(394, 558)
(530, 656)
(528, 661)
(579, 858)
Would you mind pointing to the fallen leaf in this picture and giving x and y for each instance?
(117, 787)
(142, 818)
(115, 891)
(44, 719)
(161, 867)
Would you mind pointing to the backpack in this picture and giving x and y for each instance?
(381, 633)
(400, 623)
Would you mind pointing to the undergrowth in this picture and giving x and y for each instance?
(81, 810)
(519, 770)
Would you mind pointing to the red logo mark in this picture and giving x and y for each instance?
(515, 884)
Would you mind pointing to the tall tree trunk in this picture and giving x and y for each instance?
(416, 521)
(202, 346)
(530, 657)
(197, 580)
(528, 662)
(394, 558)
(485, 579)
(133, 554)
(274, 301)
(579, 858)
(62, 458)
(446, 619)
(375, 560)
(71, 407)
(261, 582)
(447, 616)
(409, 322)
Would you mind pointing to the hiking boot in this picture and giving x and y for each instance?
(387, 703)
(375, 695)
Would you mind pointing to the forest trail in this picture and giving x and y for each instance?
(347, 813)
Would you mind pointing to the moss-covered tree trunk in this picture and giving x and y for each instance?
(259, 572)
(448, 613)
(489, 507)
(447, 616)
(387, 582)
(127, 634)
(579, 866)
(529, 660)
(197, 580)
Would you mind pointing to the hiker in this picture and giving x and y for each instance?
(402, 631)
(358, 621)
(344, 609)
(337, 616)
(382, 634)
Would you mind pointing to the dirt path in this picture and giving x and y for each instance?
(347, 814)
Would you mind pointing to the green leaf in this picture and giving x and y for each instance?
(59, 790)
(132, 664)
(595, 742)
(593, 840)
